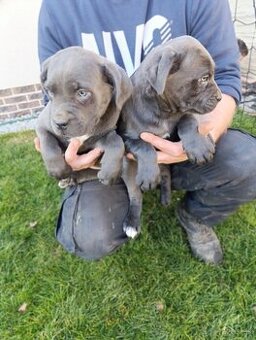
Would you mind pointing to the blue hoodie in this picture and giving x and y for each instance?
(126, 30)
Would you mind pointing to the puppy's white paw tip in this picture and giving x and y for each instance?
(66, 182)
(131, 232)
(63, 184)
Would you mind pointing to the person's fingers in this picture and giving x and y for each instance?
(72, 149)
(164, 158)
(162, 144)
(37, 144)
(86, 160)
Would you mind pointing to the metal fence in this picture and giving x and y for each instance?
(244, 18)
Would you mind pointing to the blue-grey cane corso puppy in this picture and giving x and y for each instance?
(174, 82)
(86, 93)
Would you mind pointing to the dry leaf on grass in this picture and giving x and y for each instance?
(159, 306)
(23, 308)
(32, 224)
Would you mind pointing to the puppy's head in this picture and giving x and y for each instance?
(86, 92)
(182, 75)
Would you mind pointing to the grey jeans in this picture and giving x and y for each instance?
(91, 216)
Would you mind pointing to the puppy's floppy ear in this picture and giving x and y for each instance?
(43, 78)
(119, 80)
(44, 70)
(168, 63)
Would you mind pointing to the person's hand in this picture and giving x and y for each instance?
(37, 144)
(170, 152)
(167, 152)
(77, 162)
(84, 161)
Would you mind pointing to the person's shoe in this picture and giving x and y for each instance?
(203, 240)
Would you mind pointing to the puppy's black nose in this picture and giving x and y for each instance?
(218, 96)
(61, 125)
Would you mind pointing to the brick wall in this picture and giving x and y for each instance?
(20, 101)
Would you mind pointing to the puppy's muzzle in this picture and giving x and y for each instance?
(61, 125)
(61, 119)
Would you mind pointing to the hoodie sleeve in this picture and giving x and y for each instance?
(212, 25)
(48, 38)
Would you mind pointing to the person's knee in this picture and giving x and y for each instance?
(91, 220)
(236, 154)
(98, 246)
(95, 253)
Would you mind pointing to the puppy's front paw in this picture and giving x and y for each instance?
(148, 177)
(202, 151)
(59, 170)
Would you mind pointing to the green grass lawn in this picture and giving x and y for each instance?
(152, 288)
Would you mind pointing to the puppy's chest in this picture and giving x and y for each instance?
(87, 143)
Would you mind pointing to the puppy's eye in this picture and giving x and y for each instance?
(204, 79)
(83, 94)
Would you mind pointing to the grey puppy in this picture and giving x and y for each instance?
(86, 94)
(174, 82)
